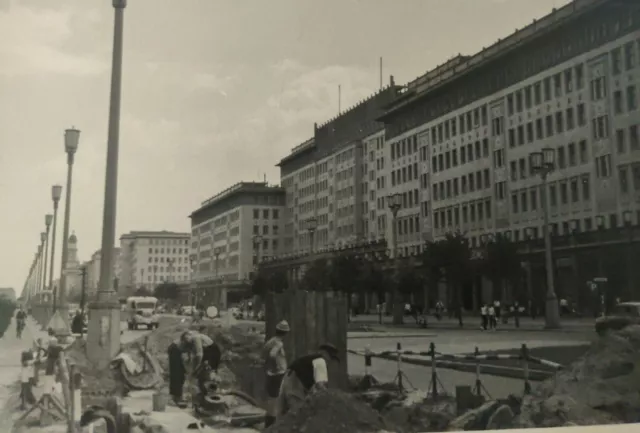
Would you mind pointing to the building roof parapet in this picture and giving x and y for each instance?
(239, 187)
(461, 64)
(162, 233)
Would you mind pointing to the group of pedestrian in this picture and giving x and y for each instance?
(490, 315)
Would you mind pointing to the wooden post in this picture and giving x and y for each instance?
(76, 393)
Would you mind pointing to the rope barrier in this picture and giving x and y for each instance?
(435, 385)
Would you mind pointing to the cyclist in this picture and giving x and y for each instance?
(21, 316)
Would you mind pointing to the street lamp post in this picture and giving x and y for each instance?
(192, 260)
(56, 193)
(104, 330)
(223, 297)
(600, 281)
(543, 163)
(43, 255)
(394, 202)
(312, 225)
(71, 138)
(170, 269)
(627, 217)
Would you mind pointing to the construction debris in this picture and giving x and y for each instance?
(600, 388)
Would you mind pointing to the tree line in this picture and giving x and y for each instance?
(447, 261)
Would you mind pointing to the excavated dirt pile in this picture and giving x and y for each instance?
(93, 379)
(600, 388)
(241, 346)
(330, 411)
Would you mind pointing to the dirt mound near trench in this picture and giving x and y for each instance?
(330, 411)
(600, 388)
(93, 379)
(241, 346)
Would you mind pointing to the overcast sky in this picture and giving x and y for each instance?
(214, 92)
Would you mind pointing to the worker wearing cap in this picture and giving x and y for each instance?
(305, 374)
(205, 355)
(275, 363)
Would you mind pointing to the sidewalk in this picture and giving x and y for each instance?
(470, 322)
(12, 348)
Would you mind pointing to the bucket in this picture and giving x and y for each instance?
(160, 401)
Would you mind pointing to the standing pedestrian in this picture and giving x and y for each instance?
(498, 309)
(484, 316)
(492, 318)
(275, 363)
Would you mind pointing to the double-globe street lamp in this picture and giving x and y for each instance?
(71, 138)
(394, 202)
(543, 163)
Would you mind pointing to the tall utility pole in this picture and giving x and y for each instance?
(104, 327)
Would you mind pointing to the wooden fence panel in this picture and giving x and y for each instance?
(315, 318)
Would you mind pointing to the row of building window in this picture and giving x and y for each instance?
(459, 215)
(467, 154)
(468, 183)
(266, 213)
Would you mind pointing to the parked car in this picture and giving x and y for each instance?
(621, 316)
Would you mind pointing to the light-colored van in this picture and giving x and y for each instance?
(141, 311)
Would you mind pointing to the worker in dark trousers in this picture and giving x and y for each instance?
(275, 363)
(205, 356)
(177, 372)
(305, 374)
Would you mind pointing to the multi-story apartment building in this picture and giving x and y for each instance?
(461, 135)
(456, 143)
(337, 179)
(149, 258)
(230, 229)
(93, 271)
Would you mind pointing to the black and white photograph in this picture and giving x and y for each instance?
(298, 216)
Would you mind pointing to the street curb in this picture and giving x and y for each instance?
(492, 370)
(389, 335)
(510, 329)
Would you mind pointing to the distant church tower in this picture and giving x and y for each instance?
(72, 268)
(72, 249)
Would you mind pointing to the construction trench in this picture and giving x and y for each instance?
(599, 388)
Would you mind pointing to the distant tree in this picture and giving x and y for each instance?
(167, 291)
(373, 279)
(266, 281)
(317, 277)
(449, 259)
(7, 309)
(345, 277)
(143, 291)
(501, 264)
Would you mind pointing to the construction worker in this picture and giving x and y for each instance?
(275, 363)
(307, 373)
(205, 356)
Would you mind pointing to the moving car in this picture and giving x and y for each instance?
(141, 311)
(622, 315)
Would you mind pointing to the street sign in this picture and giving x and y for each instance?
(600, 279)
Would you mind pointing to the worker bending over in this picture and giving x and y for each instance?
(275, 363)
(204, 356)
(305, 374)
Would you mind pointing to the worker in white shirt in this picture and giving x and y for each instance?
(275, 363)
(307, 373)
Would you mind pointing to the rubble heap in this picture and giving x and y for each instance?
(330, 411)
(93, 379)
(600, 388)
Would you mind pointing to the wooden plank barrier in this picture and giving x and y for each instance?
(315, 318)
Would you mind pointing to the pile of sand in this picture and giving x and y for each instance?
(600, 388)
(330, 411)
